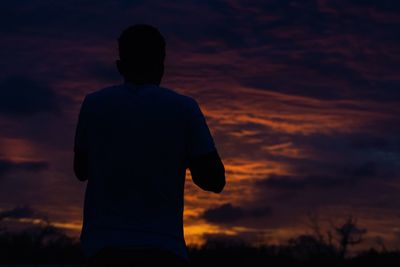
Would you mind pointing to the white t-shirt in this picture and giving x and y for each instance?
(138, 139)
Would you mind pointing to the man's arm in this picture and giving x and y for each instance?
(208, 172)
(203, 161)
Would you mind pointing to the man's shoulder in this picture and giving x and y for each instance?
(187, 104)
(170, 93)
(167, 94)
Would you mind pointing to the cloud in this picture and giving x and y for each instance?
(324, 49)
(17, 213)
(21, 96)
(104, 71)
(219, 239)
(230, 214)
(17, 218)
(7, 166)
(213, 240)
(223, 213)
(324, 173)
(293, 182)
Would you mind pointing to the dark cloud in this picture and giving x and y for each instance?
(230, 214)
(7, 166)
(21, 96)
(325, 83)
(293, 182)
(324, 50)
(339, 170)
(18, 212)
(346, 153)
(223, 213)
(322, 47)
(21, 216)
(104, 72)
(320, 174)
(215, 240)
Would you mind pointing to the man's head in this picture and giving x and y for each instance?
(141, 54)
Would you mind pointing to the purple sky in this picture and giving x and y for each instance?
(302, 98)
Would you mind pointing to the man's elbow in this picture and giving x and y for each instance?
(81, 178)
(219, 187)
(211, 182)
(80, 175)
(208, 172)
(220, 178)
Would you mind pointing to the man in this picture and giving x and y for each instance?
(133, 144)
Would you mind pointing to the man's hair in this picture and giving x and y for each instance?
(141, 45)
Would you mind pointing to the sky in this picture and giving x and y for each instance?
(302, 98)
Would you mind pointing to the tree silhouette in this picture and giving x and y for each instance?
(349, 234)
(46, 244)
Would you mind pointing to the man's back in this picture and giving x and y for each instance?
(139, 140)
(133, 143)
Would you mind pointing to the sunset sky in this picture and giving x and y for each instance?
(302, 97)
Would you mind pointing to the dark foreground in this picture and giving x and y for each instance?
(47, 246)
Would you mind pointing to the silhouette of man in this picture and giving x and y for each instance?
(133, 144)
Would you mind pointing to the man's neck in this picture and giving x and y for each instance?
(142, 83)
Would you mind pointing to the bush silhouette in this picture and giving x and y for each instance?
(45, 244)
